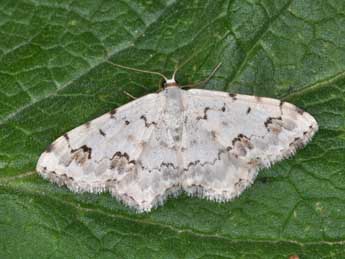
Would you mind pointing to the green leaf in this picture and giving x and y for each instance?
(53, 77)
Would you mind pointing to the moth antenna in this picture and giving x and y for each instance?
(129, 95)
(175, 71)
(205, 80)
(137, 69)
(177, 67)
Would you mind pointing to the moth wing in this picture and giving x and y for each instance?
(228, 138)
(119, 152)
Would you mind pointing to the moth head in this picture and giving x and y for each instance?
(169, 83)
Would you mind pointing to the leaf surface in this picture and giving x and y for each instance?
(54, 77)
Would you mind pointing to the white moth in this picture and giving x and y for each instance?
(207, 143)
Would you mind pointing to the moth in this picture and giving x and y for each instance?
(209, 144)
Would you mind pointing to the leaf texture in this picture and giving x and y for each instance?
(54, 77)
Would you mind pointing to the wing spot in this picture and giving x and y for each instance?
(80, 155)
(112, 113)
(127, 196)
(121, 161)
(281, 104)
(127, 122)
(241, 144)
(205, 114)
(297, 142)
(147, 124)
(274, 124)
(102, 132)
(233, 96)
(299, 110)
(248, 110)
(238, 138)
(50, 148)
(223, 109)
